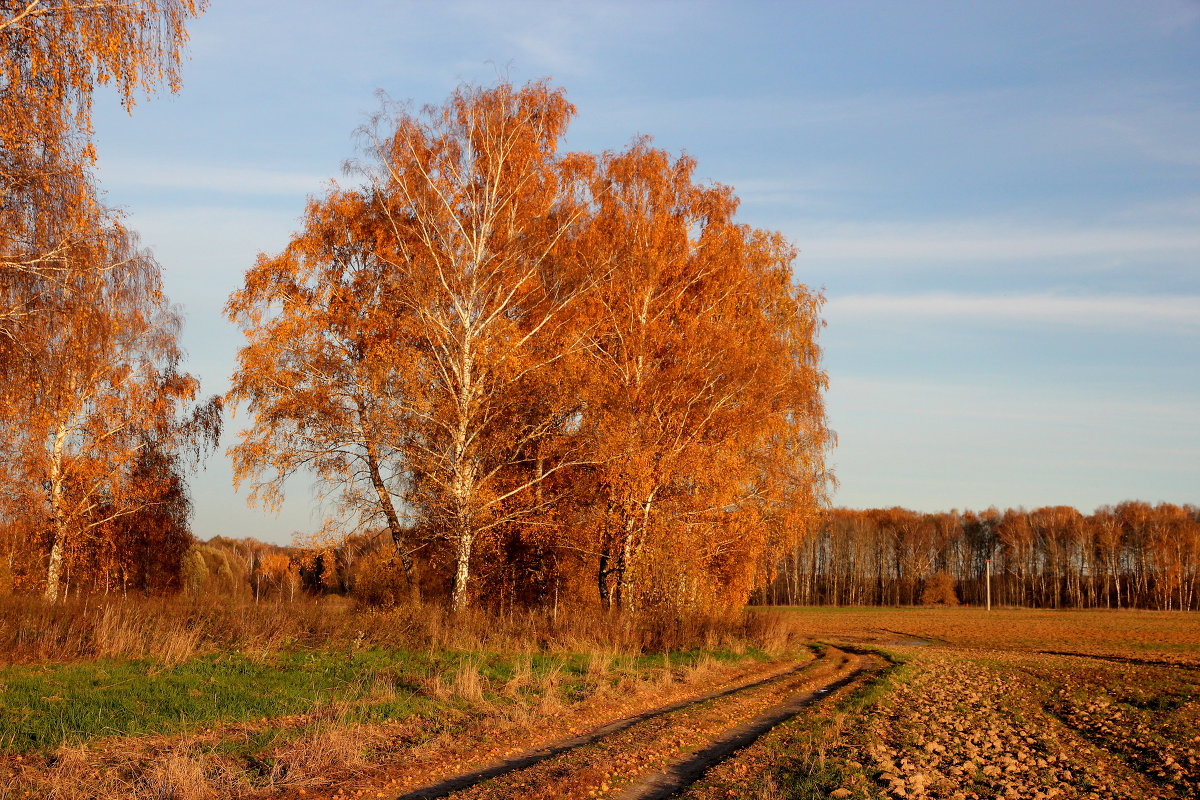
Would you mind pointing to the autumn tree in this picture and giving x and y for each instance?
(704, 410)
(411, 320)
(106, 395)
(559, 361)
(54, 54)
(66, 267)
(939, 590)
(479, 206)
(144, 549)
(322, 371)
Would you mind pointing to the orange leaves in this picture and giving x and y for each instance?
(104, 436)
(700, 390)
(541, 364)
(54, 54)
(90, 388)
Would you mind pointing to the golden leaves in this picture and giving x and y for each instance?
(570, 362)
(90, 386)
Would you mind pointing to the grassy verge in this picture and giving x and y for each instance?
(240, 725)
(197, 700)
(45, 706)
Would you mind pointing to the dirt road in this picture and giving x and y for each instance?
(662, 751)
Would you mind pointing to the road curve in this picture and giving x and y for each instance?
(649, 744)
(690, 769)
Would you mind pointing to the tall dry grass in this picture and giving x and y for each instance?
(331, 742)
(172, 630)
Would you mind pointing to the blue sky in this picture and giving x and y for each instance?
(1001, 202)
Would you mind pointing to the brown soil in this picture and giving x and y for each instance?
(656, 753)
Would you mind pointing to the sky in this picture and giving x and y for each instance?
(999, 200)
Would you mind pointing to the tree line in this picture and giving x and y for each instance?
(544, 374)
(1131, 555)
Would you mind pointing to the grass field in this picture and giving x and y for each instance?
(244, 701)
(971, 704)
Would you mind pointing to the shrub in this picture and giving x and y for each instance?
(939, 590)
(380, 581)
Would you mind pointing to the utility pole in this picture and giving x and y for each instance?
(989, 584)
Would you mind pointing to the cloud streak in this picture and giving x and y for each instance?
(1142, 311)
(890, 242)
(206, 178)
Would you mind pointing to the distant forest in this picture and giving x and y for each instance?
(1132, 555)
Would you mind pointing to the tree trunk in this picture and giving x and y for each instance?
(393, 521)
(635, 537)
(602, 586)
(54, 572)
(462, 570)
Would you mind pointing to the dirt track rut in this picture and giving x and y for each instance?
(659, 752)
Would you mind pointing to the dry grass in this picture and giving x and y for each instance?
(332, 748)
(179, 776)
(177, 772)
(469, 683)
(702, 666)
(546, 684)
(599, 663)
(522, 678)
(169, 631)
(436, 688)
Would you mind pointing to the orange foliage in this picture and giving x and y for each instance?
(90, 391)
(531, 366)
(1133, 555)
(96, 440)
(703, 406)
(54, 54)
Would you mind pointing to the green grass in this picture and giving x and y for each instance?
(41, 707)
(44, 706)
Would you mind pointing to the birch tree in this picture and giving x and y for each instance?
(706, 412)
(107, 391)
(425, 338)
(64, 259)
(322, 373)
(479, 206)
(53, 54)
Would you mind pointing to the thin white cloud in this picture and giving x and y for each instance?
(1142, 311)
(1011, 400)
(891, 242)
(208, 178)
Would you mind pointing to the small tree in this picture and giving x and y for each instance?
(939, 590)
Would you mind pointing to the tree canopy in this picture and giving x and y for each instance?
(96, 417)
(533, 366)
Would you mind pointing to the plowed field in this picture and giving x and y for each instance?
(949, 703)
